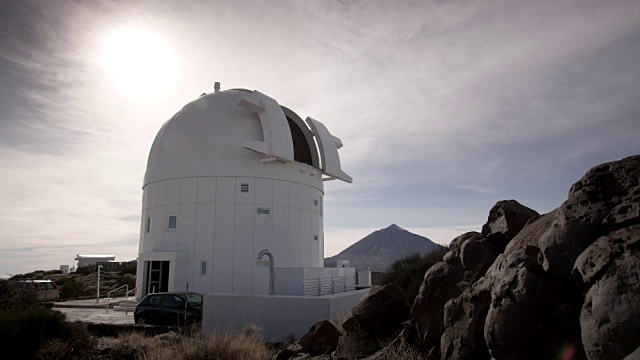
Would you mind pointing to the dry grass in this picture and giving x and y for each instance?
(399, 349)
(224, 345)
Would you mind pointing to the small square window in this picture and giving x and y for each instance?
(244, 188)
(203, 268)
(148, 225)
(262, 211)
(315, 237)
(315, 202)
(172, 222)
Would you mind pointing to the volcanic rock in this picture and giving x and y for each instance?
(610, 318)
(384, 308)
(322, 338)
(506, 219)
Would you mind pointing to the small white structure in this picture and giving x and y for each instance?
(88, 260)
(231, 174)
(64, 269)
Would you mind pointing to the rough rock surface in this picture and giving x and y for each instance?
(383, 308)
(530, 313)
(610, 318)
(442, 282)
(464, 324)
(506, 219)
(322, 338)
(376, 320)
(465, 316)
(580, 219)
(476, 255)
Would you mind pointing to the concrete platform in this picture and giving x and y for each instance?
(91, 312)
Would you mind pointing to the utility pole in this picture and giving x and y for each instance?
(98, 293)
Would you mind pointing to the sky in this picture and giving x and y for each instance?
(444, 107)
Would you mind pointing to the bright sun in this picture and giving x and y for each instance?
(139, 63)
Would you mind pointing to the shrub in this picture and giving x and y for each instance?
(409, 271)
(15, 297)
(128, 270)
(41, 332)
(85, 270)
(71, 288)
(126, 280)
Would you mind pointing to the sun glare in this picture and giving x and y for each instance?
(139, 63)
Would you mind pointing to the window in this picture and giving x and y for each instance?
(262, 211)
(244, 188)
(315, 202)
(203, 268)
(315, 237)
(148, 225)
(172, 222)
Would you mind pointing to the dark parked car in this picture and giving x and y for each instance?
(169, 308)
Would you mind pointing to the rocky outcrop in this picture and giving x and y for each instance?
(562, 282)
(469, 257)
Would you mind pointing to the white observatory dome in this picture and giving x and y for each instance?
(229, 175)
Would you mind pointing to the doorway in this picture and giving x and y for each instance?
(157, 276)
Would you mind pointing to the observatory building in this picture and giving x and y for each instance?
(231, 177)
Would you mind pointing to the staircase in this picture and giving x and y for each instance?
(128, 305)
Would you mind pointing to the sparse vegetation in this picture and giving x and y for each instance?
(224, 345)
(70, 288)
(408, 272)
(128, 270)
(27, 329)
(35, 275)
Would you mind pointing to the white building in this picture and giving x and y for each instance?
(229, 175)
(88, 260)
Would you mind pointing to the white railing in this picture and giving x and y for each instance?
(118, 288)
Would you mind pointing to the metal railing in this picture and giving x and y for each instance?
(118, 288)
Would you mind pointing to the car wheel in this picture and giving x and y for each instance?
(141, 321)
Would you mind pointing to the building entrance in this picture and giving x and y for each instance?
(157, 279)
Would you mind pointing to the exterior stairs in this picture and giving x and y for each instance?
(128, 305)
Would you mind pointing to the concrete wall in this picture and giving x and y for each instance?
(278, 316)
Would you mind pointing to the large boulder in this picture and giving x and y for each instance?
(356, 346)
(442, 282)
(506, 219)
(465, 316)
(595, 205)
(322, 338)
(476, 255)
(384, 308)
(610, 317)
(530, 316)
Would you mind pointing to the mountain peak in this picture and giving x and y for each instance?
(381, 248)
(394, 227)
